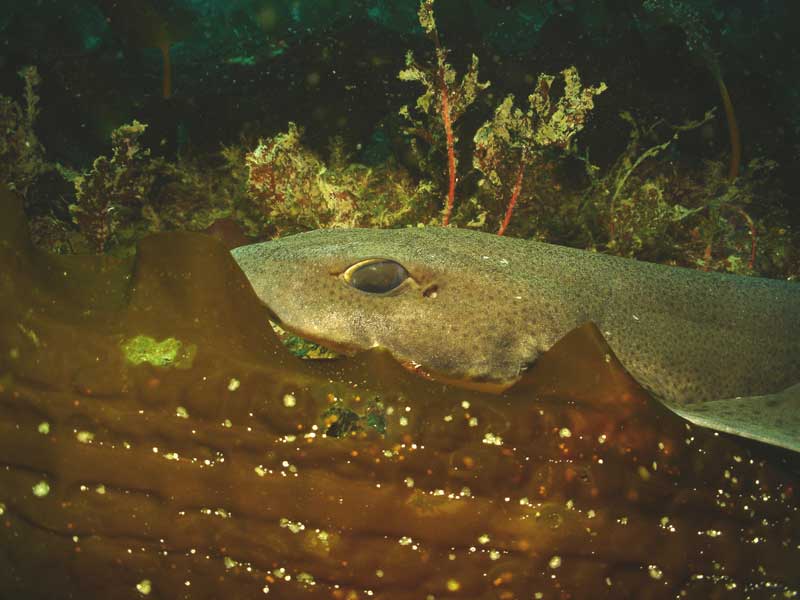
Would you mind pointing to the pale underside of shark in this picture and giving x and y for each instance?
(722, 351)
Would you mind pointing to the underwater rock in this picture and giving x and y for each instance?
(157, 441)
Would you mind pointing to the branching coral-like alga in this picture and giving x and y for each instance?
(113, 184)
(443, 101)
(514, 137)
(292, 187)
(21, 154)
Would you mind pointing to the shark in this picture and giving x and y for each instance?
(720, 350)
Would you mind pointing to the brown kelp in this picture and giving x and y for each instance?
(157, 441)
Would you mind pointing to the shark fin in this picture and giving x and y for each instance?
(772, 418)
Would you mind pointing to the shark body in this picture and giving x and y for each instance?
(721, 350)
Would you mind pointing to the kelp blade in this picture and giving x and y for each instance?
(157, 441)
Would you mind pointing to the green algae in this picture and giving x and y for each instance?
(169, 352)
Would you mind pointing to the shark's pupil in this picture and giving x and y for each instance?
(376, 276)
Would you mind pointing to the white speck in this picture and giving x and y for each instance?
(41, 489)
(144, 587)
(84, 437)
(293, 526)
(655, 572)
(307, 579)
(635, 318)
(492, 439)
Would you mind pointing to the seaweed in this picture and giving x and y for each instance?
(22, 158)
(507, 144)
(113, 185)
(220, 474)
(698, 41)
(294, 188)
(442, 103)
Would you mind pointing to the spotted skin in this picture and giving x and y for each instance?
(484, 307)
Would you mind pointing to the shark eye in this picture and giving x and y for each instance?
(376, 275)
